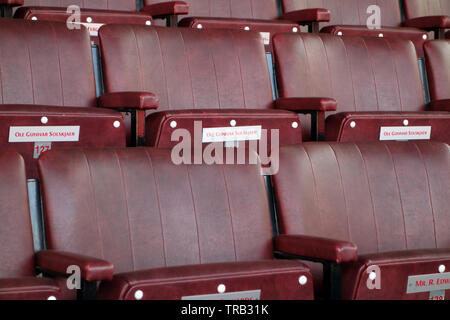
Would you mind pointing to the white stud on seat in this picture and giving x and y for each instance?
(148, 23)
(88, 19)
(116, 124)
(302, 280)
(173, 124)
(372, 276)
(51, 298)
(233, 123)
(380, 35)
(340, 33)
(199, 26)
(34, 18)
(352, 124)
(425, 37)
(441, 268)
(405, 122)
(44, 120)
(294, 29)
(295, 125)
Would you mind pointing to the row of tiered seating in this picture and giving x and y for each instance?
(178, 76)
(146, 228)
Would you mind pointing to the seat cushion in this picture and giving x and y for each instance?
(366, 126)
(159, 129)
(418, 37)
(29, 288)
(437, 54)
(97, 127)
(275, 279)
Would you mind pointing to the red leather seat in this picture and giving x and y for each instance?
(151, 220)
(218, 77)
(18, 279)
(355, 206)
(430, 15)
(437, 54)
(256, 15)
(349, 18)
(48, 91)
(93, 13)
(376, 83)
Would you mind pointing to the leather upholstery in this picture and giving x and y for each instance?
(370, 75)
(17, 279)
(426, 8)
(11, 2)
(438, 68)
(139, 211)
(384, 197)
(55, 81)
(197, 75)
(306, 104)
(125, 5)
(129, 100)
(164, 9)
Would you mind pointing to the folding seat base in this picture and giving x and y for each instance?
(394, 270)
(29, 288)
(366, 126)
(19, 123)
(271, 280)
(161, 125)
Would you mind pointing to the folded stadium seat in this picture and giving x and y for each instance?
(18, 279)
(47, 95)
(375, 82)
(372, 216)
(437, 53)
(217, 77)
(351, 18)
(256, 15)
(93, 13)
(430, 15)
(151, 221)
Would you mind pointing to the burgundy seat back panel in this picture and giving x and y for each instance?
(137, 210)
(188, 69)
(57, 74)
(16, 252)
(423, 8)
(362, 74)
(243, 9)
(350, 12)
(438, 68)
(382, 196)
(124, 5)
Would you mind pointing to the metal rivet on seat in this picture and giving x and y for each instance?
(34, 18)
(340, 33)
(441, 268)
(44, 120)
(51, 298)
(148, 23)
(380, 35)
(405, 122)
(89, 19)
(233, 123)
(302, 280)
(294, 29)
(173, 124)
(221, 288)
(295, 125)
(246, 28)
(199, 26)
(138, 295)
(352, 124)
(116, 124)
(425, 37)
(372, 275)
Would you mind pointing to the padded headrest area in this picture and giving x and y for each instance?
(361, 73)
(423, 8)
(45, 63)
(16, 242)
(125, 5)
(381, 196)
(186, 68)
(138, 210)
(244, 9)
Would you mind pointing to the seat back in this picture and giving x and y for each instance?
(123, 5)
(423, 8)
(45, 63)
(438, 68)
(187, 69)
(351, 12)
(362, 74)
(16, 239)
(382, 196)
(244, 9)
(138, 210)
